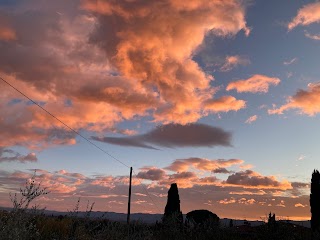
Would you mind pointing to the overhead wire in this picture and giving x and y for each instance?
(79, 134)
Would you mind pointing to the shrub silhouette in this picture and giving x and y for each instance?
(315, 203)
(202, 217)
(172, 210)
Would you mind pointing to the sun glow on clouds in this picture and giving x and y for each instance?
(256, 83)
(307, 15)
(98, 63)
(307, 101)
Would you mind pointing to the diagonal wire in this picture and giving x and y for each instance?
(79, 134)
(67, 126)
(146, 190)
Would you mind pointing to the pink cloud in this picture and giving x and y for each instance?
(7, 34)
(234, 61)
(251, 119)
(194, 191)
(256, 83)
(8, 155)
(224, 104)
(306, 15)
(181, 165)
(163, 59)
(124, 71)
(312, 36)
(307, 101)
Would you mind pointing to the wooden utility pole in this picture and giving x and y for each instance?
(129, 199)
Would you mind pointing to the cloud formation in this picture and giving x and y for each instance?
(251, 119)
(256, 83)
(312, 36)
(291, 61)
(232, 62)
(152, 174)
(307, 101)
(8, 155)
(195, 189)
(181, 165)
(224, 104)
(175, 135)
(156, 47)
(306, 15)
(103, 62)
(253, 179)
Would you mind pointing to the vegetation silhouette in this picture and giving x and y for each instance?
(172, 211)
(203, 218)
(24, 222)
(315, 204)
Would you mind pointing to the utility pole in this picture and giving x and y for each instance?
(129, 199)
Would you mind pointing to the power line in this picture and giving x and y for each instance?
(146, 190)
(73, 130)
(79, 134)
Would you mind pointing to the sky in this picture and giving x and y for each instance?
(221, 97)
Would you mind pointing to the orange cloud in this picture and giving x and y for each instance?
(234, 61)
(227, 201)
(181, 165)
(7, 34)
(300, 205)
(307, 101)
(306, 15)
(224, 104)
(162, 59)
(110, 62)
(256, 83)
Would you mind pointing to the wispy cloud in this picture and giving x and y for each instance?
(8, 155)
(202, 164)
(251, 119)
(256, 83)
(291, 61)
(312, 36)
(306, 15)
(174, 135)
(232, 62)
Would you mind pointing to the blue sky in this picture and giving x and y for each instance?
(128, 76)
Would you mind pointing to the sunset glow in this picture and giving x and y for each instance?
(221, 97)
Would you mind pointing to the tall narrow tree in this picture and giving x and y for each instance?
(172, 210)
(315, 203)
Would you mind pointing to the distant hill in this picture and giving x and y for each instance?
(152, 218)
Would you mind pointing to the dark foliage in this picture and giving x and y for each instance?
(172, 210)
(202, 217)
(315, 202)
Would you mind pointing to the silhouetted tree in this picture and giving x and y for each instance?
(172, 210)
(315, 203)
(231, 223)
(272, 221)
(203, 217)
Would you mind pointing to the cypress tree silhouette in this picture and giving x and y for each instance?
(315, 203)
(172, 209)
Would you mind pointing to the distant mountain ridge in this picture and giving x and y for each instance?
(153, 218)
